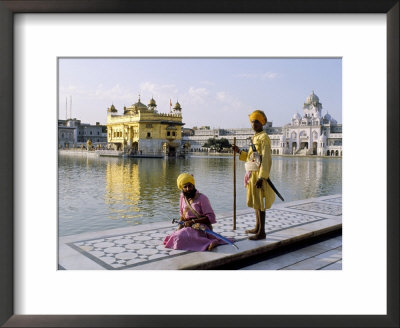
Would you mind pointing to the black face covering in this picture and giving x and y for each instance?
(190, 194)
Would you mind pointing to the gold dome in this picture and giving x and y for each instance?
(139, 105)
(112, 109)
(152, 103)
(177, 106)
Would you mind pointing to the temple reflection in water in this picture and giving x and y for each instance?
(98, 193)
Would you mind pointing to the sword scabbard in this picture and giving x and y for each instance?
(274, 189)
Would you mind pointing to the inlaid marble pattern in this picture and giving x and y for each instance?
(129, 250)
(337, 200)
(317, 207)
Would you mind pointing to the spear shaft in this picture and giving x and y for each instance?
(234, 185)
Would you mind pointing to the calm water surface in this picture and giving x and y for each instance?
(98, 193)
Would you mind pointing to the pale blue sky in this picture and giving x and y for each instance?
(219, 92)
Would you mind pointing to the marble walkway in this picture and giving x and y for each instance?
(141, 247)
(320, 255)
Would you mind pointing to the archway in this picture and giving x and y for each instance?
(327, 153)
(135, 147)
(304, 145)
(171, 151)
(337, 153)
(294, 147)
(314, 148)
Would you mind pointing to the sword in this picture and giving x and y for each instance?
(274, 189)
(253, 147)
(204, 228)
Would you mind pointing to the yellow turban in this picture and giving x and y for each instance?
(183, 179)
(258, 115)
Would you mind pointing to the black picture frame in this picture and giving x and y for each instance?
(10, 7)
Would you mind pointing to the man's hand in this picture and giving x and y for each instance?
(259, 183)
(235, 149)
(188, 223)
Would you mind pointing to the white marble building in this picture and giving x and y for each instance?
(307, 134)
(310, 134)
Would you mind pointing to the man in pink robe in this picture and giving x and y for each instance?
(194, 208)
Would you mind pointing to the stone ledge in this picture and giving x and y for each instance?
(213, 264)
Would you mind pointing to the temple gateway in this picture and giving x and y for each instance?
(310, 134)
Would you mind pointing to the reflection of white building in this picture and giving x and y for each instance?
(310, 134)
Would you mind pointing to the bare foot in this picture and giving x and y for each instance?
(258, 236)
(212, 245)
(254, 230)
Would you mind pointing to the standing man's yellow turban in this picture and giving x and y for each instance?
(258, 115)
(183, 179)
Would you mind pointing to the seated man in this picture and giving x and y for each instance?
(194, 208)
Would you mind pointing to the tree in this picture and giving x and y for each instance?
(218, 144)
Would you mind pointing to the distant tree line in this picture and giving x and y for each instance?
(217, 144)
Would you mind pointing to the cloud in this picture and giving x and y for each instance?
(128, 96)
(102, 96)
(198, 92)
(193, 97)
(229, 102)
(259, 76)
(148, 86)
(113, 93)
(69, 89)
(155, 88)
(209, 83)
(222, 96)
(269, 75)
(162, 94)
(198, 96)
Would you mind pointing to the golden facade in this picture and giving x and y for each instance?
(142, 130)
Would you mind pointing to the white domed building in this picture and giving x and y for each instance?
(310, 134)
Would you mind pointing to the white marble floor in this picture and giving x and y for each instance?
(142, 247)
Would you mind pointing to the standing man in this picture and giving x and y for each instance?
(260, 195)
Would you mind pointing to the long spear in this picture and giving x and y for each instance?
(234, 184)
(203, 227)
